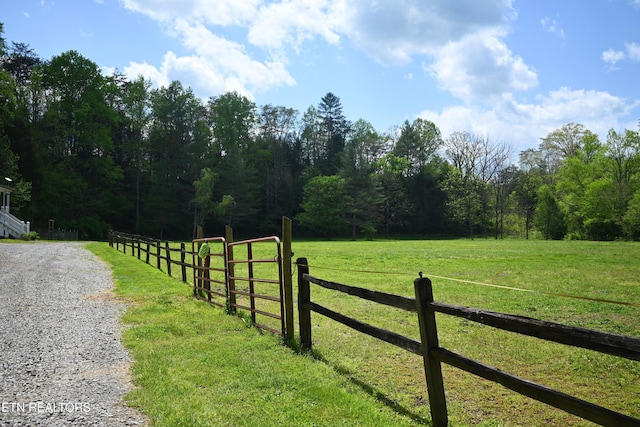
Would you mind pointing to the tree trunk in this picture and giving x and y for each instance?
(353, 227)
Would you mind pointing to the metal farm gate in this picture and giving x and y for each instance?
(260, 284)
(262, 277)
(255, 283)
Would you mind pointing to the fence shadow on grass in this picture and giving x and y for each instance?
(371, 390)
(434, 356)
(423, 305)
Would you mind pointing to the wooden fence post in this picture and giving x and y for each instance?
(287, 278)
(148, 250)
(158, 254)
(168, 250)
(124, 245)
(304, 297)
(252, 290)
(231, 283)
(183, 264)
(198, 283)
(429, 339)
(206, 273)
(138, 245)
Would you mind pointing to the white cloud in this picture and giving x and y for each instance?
(108, 71)
(393, 31)
(216, 12)
(461, 43)
(633, 50)
(159, 77)
(551, 26)
(463, 37)
(288, 24)
(523, 124)
(481, 66)
(390, 31)
(611, 56)
(218, 65)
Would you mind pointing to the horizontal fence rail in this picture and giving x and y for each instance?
(306, 306)
(146, 247)
(433, 355)
(602, 342)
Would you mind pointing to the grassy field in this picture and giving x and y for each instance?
(197, 366)
(461, 270)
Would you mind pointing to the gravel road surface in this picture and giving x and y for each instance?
(61, 360)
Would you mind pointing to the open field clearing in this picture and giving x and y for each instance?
(541, 271)
(596, 270)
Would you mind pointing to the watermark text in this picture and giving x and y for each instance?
(43, 407)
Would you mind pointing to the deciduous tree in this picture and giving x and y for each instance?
(548, 217)
(324, 206)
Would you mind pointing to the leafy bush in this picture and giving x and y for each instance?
(32, 235)
(369, 231)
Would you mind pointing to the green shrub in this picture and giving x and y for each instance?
(369, 231)
(32, 235)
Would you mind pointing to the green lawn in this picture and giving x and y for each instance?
(592, 269)
(181, 345)
(196, 366)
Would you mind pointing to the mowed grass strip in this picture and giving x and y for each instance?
(194, 365)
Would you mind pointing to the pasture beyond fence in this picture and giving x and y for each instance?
(433, 355)
(215, 280)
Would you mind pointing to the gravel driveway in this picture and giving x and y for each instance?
(61, 360)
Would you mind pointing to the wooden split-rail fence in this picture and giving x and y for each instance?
(213, 271)
(148, 248)
(434, 356)
(213, 263)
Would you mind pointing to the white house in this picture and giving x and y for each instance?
(10, 226)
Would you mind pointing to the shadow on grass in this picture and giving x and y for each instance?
(294, 345)
(367, 388)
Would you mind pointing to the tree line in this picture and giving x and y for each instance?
(96, 152)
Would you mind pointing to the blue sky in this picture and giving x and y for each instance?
(512, 71)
